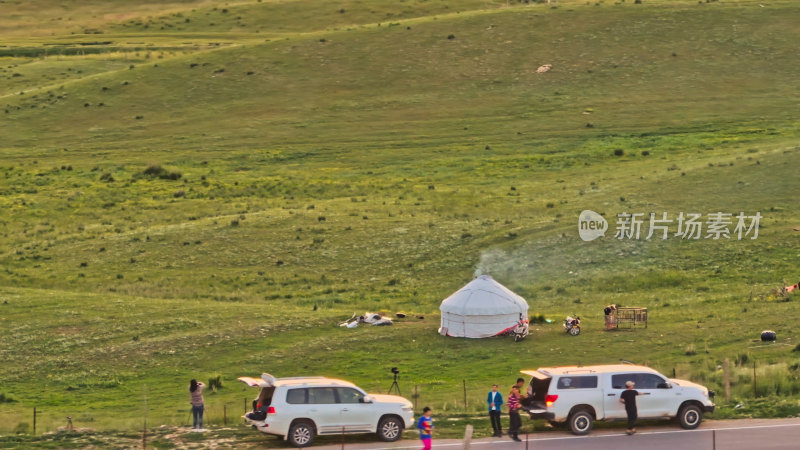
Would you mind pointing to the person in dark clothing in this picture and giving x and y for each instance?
(513, 414)
(628, 397)
(608, 311)
(495, 401)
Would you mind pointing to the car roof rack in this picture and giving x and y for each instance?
(301, 378)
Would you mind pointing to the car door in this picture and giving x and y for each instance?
(324, 410)
(657, 395)
(355, 415)
(614, 385)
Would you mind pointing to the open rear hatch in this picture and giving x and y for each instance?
(261, 404)
(536, 392)
(266, 380)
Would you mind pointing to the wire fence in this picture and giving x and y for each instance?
(463, 397)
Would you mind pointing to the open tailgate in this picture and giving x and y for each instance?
(266, 380)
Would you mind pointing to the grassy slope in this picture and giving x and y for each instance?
(408, 144)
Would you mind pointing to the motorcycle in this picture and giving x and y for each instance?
(521, 331)
(572, 325)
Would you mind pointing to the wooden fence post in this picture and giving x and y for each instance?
(726, 376)
(416, 397)
(465, 394)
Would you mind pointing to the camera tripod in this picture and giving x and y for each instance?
(394, 385)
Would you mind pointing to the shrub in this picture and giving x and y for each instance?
(6, 398)
(156, 171)
(538, 318)
(742, 359)
(619, 152)
(215, 382)
(690, 350)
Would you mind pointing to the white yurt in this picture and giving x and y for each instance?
(482, 308)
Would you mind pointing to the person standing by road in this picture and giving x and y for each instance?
(513, 414)
(196, 393)
(495, 401)
(628, 397)
(425, 425)
(523, 393)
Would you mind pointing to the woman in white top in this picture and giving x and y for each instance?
(196, 392)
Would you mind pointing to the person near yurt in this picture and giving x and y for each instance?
(482, 308)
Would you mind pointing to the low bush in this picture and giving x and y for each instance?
(156, 171)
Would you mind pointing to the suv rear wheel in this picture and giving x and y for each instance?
(301, 434)
(390, 429)
(690, 416)
(580, 422)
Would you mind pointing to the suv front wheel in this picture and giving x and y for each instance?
(301, 434)
(690, 417)
(580, 422)
(390, 429)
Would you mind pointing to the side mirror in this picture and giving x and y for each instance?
(366, 399)
(664, 385)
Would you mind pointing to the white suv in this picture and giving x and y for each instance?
(579, 395)
(298, 409)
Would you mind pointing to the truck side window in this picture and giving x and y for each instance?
(650, 381)
(321, 396)
(297, 396)
(618, 380)
(577, 382)
(349, 395)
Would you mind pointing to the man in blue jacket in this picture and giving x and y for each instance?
(495, 401)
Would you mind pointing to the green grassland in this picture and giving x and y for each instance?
(184, 200)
